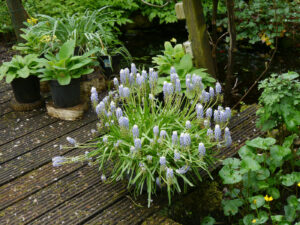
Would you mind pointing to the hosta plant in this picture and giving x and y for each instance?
(20, 67)
(156, 144)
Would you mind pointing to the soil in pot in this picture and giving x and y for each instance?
(26, 90)
(65, 96)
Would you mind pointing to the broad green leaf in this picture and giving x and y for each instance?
(24, 72)
(290, 179)
(293, 201)
(232, 162)
(208, 221)
(249, 164)
(290, 213)
(262, 217)
(278, 152)
(262, 143)
(229, 175)
(9, 77)
(262, 185)
(66, 50)
(231, 207)
(256, 201)
(288, 141)
(262, 174)
(247, 151)
(247, 220)
(234, 193)
(274, 192)
(186, 63)
(277, 218)
(65, 80)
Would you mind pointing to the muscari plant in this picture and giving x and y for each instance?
(156, 144)
(262, 185)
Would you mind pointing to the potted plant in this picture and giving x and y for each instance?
(63, 70)
(22, 73)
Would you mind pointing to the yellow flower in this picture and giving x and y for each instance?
(32, 21)
(45, 38)
(268, 199)
(254, 221)
(173, 40)
(298, 184)
(254, 201)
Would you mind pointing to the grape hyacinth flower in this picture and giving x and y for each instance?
(144, 75)
(185, 140)
(100, 108)
(122, 76)
(172, 70)
(228, 141)
(94, 95)
(142, 166)
(205, 96)
(112, 106)
(121, 90)
(135, 131)
(206, 123)
(217, 132)
(218, 88)
(103, 177)
(58, 161)
(188, 125)
(137, 144)
(131, 78)
(124, 122)
(199, 110)
(132, 150)
(116, 82)
(119, 112)
(108, 114)
(155, 131)
(133, 68)
(149, 158)
(209, 113)
(167, 89)
(223, 117)
(163, 134)
(210, 133)
(162, 161)
(174, 77)
(228, 113)
(226, 132)
(201, 149)
(117, 144)
(177, 86)
(176, 156)
(211, 93)
(174, 138)
(72, 141)
(216, 116)
(169, 174)
(104, 139)
(183, 170)
(126, 92)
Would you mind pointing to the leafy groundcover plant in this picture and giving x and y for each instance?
(156, 144)
(262, 185)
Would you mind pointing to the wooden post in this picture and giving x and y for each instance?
(18, 16)
(232, 47)
(193, 11)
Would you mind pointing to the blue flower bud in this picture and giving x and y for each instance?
(177, 86)
(162, 161)
(137, 143)
(116, 82)
(183, 169)
(58, 161)
(72, 141)
(217, 132)
(119, 113)
(135, 131)
(133, 68)
(218, 88)
(209, 113)
(199, 110)
(201, 149)
(172, 70)
(163, 134)
(174, 138)
(176, 155)
(169, 174)
(211, 93)
(188, 125)
(124, 122)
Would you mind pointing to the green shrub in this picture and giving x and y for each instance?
(281, 103)
(260, 181)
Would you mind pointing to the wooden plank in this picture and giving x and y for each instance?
(37, 157)
(39, 137)
(25, 127)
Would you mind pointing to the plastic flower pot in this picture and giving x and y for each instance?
(110, 66)
(26, 90)
(65, 96)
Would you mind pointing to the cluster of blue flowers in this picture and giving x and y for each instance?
(184, 140)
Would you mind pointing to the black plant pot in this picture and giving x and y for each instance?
(110, 66)
(65, 96)
(26, 90)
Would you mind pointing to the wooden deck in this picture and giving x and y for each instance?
(34, 192)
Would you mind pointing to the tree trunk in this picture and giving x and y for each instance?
(193, 11)
(214, 35)
(18, 16)
(230, 64)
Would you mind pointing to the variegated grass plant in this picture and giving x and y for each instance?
(153, 143)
